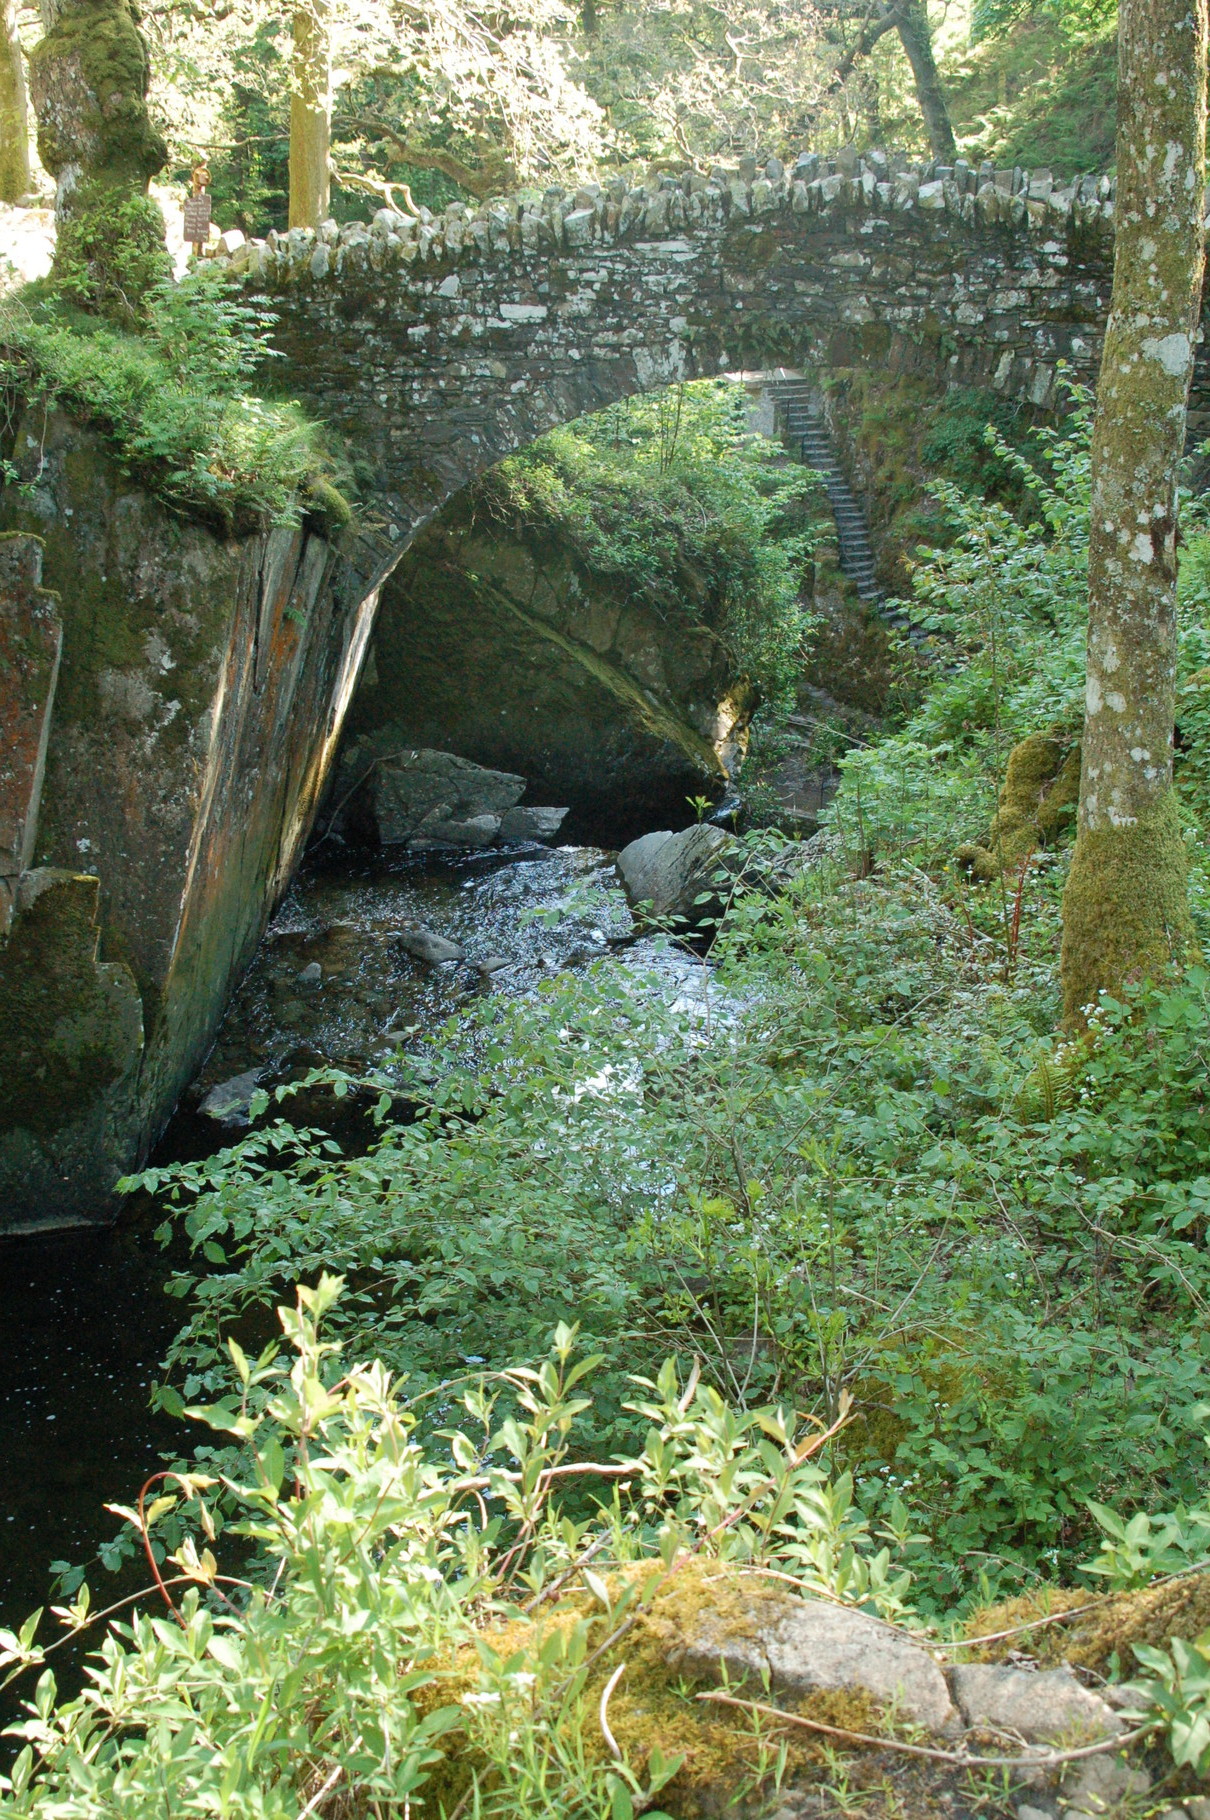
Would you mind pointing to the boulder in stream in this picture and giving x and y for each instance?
(440, 799)
(472, 831)
(665, 874)
(229, 1101)
(531, 824)
(428, 946)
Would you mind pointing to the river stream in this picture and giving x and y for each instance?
(83, 1317)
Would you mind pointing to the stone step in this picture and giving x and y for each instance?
(805, 433)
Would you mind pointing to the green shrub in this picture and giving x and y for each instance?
(823, 1189)
(423, 1619)
(699, 519)
(110, 254)
(176, 399)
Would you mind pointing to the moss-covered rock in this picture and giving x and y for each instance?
(1097, 1629)
(327, 505)
(1036, 808)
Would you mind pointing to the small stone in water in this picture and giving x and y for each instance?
(495, 963)
(229, 1100)
(428, 946)
(311, 976)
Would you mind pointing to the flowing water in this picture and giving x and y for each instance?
(83, 1316)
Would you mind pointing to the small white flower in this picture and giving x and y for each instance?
(480, 1699)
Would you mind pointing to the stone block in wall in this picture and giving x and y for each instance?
(31, 642)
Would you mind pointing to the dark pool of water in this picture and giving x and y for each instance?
(84, 1323)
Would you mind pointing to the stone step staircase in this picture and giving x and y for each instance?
(806, 437)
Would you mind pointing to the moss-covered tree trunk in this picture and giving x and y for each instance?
(1125, 914)
(917, 41)
(14, 110)
(310, 116)
(89, 78)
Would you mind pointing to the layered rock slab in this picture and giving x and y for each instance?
(200, 693)
(802, 1646)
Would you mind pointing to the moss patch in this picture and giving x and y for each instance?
(1037, 806)
(91, 75)
(1125, 910)
(727, 1760)
(1153, 1615)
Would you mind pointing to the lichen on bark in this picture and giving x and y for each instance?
(89, 79)
(1125, 914)
(14, 110)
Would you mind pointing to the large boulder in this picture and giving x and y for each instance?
(423, 798)
(438, 799)
(666, 875)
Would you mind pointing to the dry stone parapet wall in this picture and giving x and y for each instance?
(439, 344)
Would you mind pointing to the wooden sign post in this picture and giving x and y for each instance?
(197, 211)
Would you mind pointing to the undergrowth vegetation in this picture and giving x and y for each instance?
(673, 496)
(855, 1161)
(844, 1169)
(177, 396)
(430, 1622)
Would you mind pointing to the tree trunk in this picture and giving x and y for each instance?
(1125, 913)
(310, 116)
(14, 110)
(88, 78)
(917, 40)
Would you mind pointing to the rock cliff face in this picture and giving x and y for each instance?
(170, 702)
(499, 644)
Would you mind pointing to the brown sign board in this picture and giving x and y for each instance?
(197, 219)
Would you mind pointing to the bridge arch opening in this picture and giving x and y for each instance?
(595, 615)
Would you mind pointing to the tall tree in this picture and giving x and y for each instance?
(310, 115)
(1125, 912)
(14, 110)
(88, 79)
(909, 19)
(916, 37)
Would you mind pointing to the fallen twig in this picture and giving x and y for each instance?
(319, 1794)
(603, 1709)
(960, 1758)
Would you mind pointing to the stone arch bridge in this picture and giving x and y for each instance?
(172, 700)
(439, 345)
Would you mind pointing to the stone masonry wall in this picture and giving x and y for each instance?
(439, 345)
